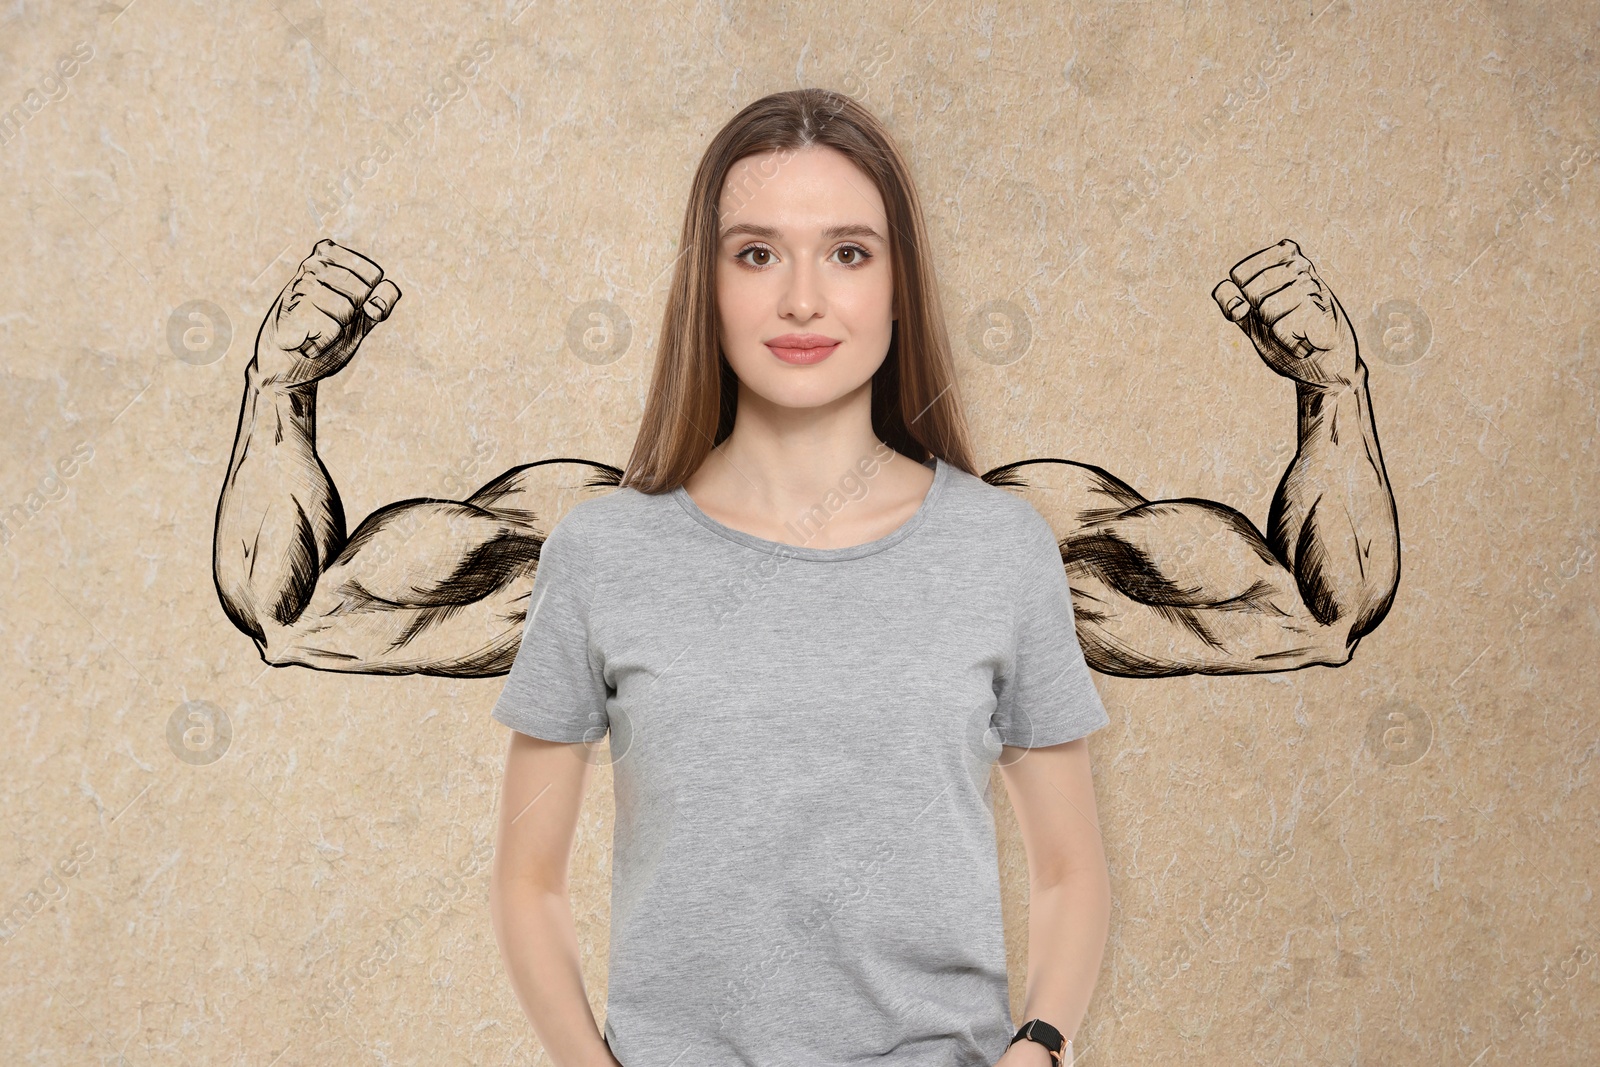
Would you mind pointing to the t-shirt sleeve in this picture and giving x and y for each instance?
(1044, 692)
(556, 689)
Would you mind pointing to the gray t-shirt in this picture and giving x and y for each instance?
(804, 868)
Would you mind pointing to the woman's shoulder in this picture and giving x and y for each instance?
(991, 510)
(613, 515)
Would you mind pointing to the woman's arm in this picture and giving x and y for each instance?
(1069, 889)
(540, 799)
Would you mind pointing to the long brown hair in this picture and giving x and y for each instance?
(694, 392)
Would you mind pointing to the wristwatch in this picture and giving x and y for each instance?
(1043, 1033)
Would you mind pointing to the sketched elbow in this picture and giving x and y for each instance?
(277, 646)
(1337, 646)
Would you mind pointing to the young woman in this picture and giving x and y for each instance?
(810, 630)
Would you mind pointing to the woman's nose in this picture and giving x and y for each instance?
(802, 295)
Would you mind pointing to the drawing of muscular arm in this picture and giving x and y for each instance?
(422, 586)
(1190, 586)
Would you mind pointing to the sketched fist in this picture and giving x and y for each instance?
(1290, 315)
(319, 319)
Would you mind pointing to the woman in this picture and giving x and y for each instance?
(808, 627)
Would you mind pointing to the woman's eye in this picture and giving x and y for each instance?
(852, 255)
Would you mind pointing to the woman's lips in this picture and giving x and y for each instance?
(803, 355)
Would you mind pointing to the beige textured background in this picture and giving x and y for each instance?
(1097, 169)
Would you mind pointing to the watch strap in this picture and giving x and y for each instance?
(1041, 1032)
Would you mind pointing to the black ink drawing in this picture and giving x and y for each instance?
(1160, 587)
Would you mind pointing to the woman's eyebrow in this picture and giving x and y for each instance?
(852, 229)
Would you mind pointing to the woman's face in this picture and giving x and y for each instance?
(804, 288)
